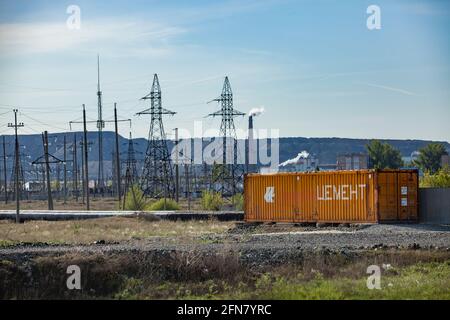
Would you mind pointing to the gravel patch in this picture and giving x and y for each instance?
(267, 245)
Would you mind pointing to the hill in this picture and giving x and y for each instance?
(326, 149)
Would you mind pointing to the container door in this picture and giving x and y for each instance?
(250, 207)
(270, 198)
(278, 198)
(407, 191)
(387, 195)
(305, 204)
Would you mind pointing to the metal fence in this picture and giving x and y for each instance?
(434, 205)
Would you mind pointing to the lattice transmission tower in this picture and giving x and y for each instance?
(230, 173)
(131, 170)
(131, 175)
(17, 170)
(157, 179)
(100, 126)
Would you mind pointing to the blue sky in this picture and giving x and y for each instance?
(313, 65)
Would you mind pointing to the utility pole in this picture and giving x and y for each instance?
(177, 173)
(113, 173)
(188, 191)
(16, 173)
(206, 185)
(4, 171)
(81, 171)
(117, 152)
(65, 170)
(194, 184)
(75, 167)
(86, 173)
(100, 184)
(47, 171)
(58, 179)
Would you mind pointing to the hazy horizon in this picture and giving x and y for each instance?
(124, 135)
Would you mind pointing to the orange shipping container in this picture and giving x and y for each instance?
(360, 196)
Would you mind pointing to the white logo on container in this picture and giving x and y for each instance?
(269, 195)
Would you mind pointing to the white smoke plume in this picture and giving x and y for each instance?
(256, 112)
(302, 155)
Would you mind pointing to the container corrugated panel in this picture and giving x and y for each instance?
(363, 196)
(345, 197)
(265, 204)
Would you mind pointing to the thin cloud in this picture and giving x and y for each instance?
(138, 38)
(393, 89)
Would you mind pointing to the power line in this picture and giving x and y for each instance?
(41, 122)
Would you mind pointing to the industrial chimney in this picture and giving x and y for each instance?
(251, 157)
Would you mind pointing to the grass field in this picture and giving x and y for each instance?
(418, 281)
(188, 275)
(108, 229)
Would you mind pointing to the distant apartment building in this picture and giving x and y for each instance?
(352, 161)
(304, 161)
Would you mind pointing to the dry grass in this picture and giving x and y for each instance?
(108, 229)
(96, 204)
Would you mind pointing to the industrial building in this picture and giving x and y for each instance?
(352, 161)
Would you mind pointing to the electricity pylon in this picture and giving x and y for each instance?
(100, 126)
(47, 159)
(157, 177)
(131, 170)
(229, 175)
(131, 175)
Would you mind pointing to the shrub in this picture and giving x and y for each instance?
(441, 179)
(238, 201)
(135, 199)
(165, 204)
(211, 200)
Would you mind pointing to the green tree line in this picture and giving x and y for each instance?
(385, 156)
